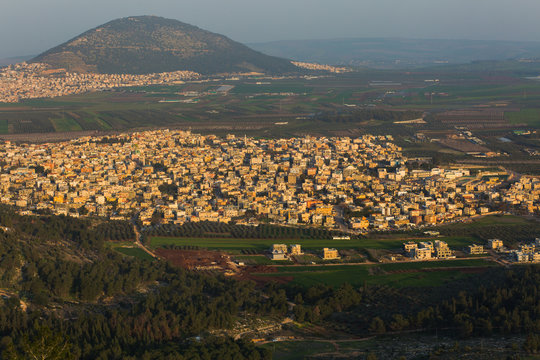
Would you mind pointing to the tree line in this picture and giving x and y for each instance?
(207, 229)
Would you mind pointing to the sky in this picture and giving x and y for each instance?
(29, 27)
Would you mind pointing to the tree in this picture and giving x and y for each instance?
(43, 345)
(168, 189)
(157, 217)
(83, 210)
(371, 356)
(532, 344)
(377, 326)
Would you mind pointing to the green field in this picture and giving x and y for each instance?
(296, 350)
(283, 87)
(127, 248)
(66, 124)
(528, 116)
(139, 107)
(4, 129)
(228, 244)
(394, 274)
(496, 220)
(259, 260)
(134, 251)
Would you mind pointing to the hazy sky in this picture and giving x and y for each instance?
(32, 26)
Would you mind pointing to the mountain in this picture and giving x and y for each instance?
(151, 44)
(397, 52)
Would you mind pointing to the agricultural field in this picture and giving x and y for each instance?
(392, 242)
(4, 129)
(127, 248)
(411, 274)
(422, 345)
(530, 117)
(510, 229)
(259, 260)
(248, 106)
(264, 86)
(135, 252)
(291, 107)
(294, 350)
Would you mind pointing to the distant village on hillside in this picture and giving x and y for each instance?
(36, 80)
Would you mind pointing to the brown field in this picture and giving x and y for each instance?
(195, 259)
(463, 145)
(475, 119)
(206, 260)
(251, 273)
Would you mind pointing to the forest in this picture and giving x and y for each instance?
(62, 283)
(510, 304)
(66, 293)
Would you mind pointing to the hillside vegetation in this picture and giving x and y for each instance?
(151, 44)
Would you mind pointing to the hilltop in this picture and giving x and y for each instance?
(151, 44)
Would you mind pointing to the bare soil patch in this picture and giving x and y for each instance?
(195, 259)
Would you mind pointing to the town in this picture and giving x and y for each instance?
(36, 80)
(172, 177)
(428, 250)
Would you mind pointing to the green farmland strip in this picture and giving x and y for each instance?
(4, 129)
(66, 124)
(263, 244)
(397, 275)
(135, 252)
(528, 116)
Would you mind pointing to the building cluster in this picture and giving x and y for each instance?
(319, 67)
(495, 244)
(523, 193)
(527, 253)
(475, 249)
(176, 177)
(426, 250)
(281, 252)
(330, 254)
(36, 80)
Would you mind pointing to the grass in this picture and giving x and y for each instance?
(123, 109)
(229, 244)
(498, 220)
(271, 88)
(506, 220)
(357, 275)
(127, 248)
(260, 260)
(436, 264)
(4, 129)
(66, 124)
(293, 350)
(528, 116)
(134, 251)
